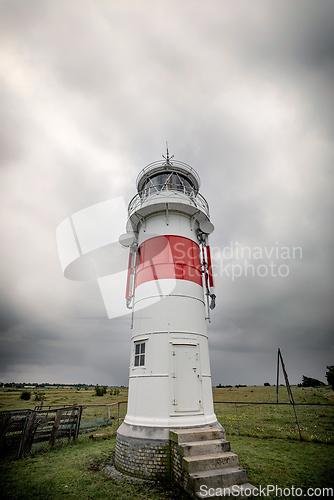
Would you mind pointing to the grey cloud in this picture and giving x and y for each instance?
(242, 92)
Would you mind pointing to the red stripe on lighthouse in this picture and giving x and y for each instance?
(168, 257)
(208, 253)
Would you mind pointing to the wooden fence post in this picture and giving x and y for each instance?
(108, 414)
(55, 427)
(78, 424)
(4, 426)
(5, 419)
(26, 441)
(72, 417)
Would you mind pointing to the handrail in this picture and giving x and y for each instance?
(168, 189)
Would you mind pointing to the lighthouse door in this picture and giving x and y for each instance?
(187, 379)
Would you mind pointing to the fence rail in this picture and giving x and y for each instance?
(25, 432)
(21, 431)
(106, 415)
(277, 420)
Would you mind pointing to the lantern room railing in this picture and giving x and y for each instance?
(176, 192)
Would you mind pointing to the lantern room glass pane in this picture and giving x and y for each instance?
(170, 181)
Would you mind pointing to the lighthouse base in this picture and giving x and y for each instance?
(145, 452)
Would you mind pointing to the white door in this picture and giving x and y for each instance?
(187, 379)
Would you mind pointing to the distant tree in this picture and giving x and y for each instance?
(330, 375)
(39, 395)
(114, 391)
(266, 384)
(99, 391)
(25, 395)
(311, 382)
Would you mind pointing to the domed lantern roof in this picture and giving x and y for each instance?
(171, 174)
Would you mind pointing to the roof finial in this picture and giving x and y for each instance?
(167, 154)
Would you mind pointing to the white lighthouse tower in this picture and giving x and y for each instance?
(170, 291)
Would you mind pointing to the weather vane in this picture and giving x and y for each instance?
(167, 154)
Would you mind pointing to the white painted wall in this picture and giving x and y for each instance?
(170, 317)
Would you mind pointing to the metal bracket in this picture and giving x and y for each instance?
(143, 222)
(192, 220)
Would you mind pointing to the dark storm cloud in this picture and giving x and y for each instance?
(243, 92)
(298, 38)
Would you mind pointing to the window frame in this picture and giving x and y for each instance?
(140, 356)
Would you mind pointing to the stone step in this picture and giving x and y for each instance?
(218, 478)
(210, 462)
(245, 490)
(196, 448)
(193, 434)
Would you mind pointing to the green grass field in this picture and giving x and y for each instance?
(10, 397)
(77, 471)
(262, 394)
(277, 421)
(316, 422)
(10, 400)
(271, 453)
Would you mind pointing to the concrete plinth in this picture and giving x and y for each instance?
(145, 452)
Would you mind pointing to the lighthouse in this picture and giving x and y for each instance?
(170, 293)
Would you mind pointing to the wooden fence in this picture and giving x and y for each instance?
(277, 420)
(20, 430)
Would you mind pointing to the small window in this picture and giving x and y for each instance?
(140, 354)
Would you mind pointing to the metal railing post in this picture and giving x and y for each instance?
(236, 412)
(277, 378)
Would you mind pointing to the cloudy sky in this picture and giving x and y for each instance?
(244, 93)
